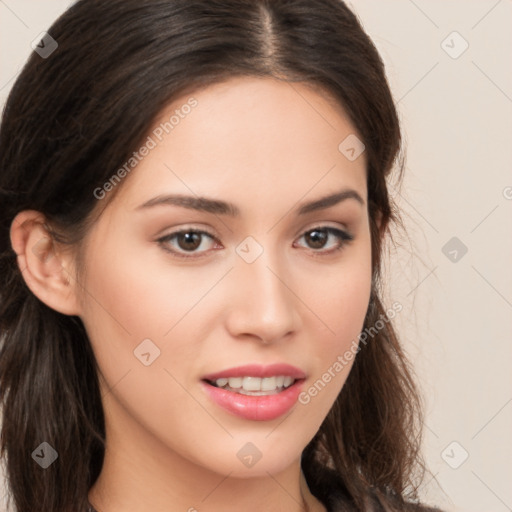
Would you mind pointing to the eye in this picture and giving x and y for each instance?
(319, 235)
(189, 240)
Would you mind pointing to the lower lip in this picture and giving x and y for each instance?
(256, 408)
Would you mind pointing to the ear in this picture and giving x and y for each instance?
(47, 270)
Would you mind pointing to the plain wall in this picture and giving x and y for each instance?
(456, 323)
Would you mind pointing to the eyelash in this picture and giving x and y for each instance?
(344, 237)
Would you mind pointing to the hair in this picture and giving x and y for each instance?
(75, 117)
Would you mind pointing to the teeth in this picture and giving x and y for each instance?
(268, 384)
(235, 382)
(287, 382)
(251, 384)
(255, 385)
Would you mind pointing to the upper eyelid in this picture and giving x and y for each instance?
(315, 225)
(188, 229)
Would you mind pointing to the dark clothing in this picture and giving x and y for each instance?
(333, 496)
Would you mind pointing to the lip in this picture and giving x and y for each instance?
(255, 370)
(256, 408)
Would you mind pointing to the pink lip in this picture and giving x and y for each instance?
(256, 408)
(254, 370)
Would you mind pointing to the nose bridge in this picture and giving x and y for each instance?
(263, 304)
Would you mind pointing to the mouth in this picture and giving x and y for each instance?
(256, 392)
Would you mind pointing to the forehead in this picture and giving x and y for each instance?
(248, 140)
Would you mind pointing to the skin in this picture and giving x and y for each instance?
(266, 146)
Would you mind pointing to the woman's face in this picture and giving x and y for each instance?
(261, 283)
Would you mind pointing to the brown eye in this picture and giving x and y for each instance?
(187, 240)
(317, 237)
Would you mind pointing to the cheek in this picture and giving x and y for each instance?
(348, 309)
(128, 303)
(340, 300)
(135, 290)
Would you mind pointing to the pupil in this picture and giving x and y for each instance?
(189, 239)
(318, 238)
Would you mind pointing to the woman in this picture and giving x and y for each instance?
(194, 204)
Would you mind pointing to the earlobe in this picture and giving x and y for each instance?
(46, 271)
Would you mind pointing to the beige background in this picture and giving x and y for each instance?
(456, 323)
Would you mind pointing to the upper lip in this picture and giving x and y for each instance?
(256, 370)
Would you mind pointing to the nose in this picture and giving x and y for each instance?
(262, 303)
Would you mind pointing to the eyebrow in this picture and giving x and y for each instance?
(218, 207)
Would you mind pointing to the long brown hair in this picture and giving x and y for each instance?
(74, 117)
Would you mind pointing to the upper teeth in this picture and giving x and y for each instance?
(255, 383)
